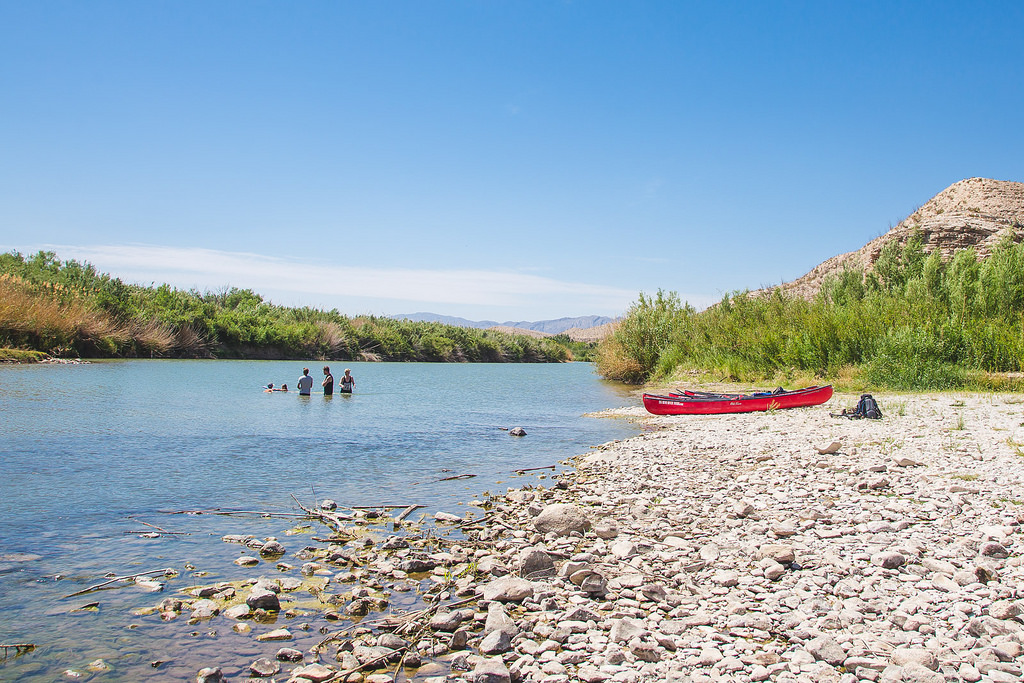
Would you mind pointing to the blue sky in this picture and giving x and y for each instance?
(503, 159)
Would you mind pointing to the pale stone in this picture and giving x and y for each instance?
(781, 553)
(561, 519)
(508, 589)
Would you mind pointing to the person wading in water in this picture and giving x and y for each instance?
(328, 383)
(305, 383)
(347, 382)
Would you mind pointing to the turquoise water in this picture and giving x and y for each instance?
(89, 453)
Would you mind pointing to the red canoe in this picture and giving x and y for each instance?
(700, 403)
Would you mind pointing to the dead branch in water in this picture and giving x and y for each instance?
(218, 511)
(128, 577)
(380, 507)
(457, 476)
(332, 520)
(534, 469)
(153, 526)
(408, 511)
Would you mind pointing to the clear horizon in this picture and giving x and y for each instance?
(491, 160)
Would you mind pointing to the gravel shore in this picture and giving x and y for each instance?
(726, 548)
(784, 546)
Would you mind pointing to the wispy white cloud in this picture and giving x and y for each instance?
(373, 288)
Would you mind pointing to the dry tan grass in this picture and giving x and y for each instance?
(155, 337)
(187, 339)
(612, 361)
(25, 311)
(331, 335)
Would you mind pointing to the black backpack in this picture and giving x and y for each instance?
(867, 407)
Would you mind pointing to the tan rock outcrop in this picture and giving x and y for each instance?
(976, 212)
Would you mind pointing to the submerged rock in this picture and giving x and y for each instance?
(264, 666)
(263, 598)
(210, 674)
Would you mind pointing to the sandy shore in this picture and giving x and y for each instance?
(719, 548)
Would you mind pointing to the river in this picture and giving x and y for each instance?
(93, 455)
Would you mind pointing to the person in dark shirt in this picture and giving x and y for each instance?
(328, 382)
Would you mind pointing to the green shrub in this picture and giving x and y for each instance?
(914, 322)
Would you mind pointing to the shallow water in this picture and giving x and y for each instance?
(91, 453)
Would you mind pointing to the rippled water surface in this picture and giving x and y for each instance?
(92, 454)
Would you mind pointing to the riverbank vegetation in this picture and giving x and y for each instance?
(913, 322)
(67, 308)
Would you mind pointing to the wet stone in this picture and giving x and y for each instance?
(315, 673)
(264, 666)
(276, 634)
(447, 621)
(289, 654)
(211, 674)
(272, 549)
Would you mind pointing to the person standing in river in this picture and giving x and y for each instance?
(347, 382)
(305, 383)
(328, 383)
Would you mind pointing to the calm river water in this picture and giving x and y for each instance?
(90, 453)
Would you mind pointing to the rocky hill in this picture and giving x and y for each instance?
(973, 212)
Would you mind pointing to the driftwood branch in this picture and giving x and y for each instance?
(332, 520)
(457, 476)
(408, 511)
(534, 469)
(17, 647)
(152, 526)
(380, 507)
(217, 511)
(127, 577)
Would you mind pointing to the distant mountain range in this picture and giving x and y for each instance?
(557, 326)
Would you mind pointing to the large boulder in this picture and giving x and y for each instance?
(562, 519)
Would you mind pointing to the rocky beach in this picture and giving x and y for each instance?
(784, 546)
